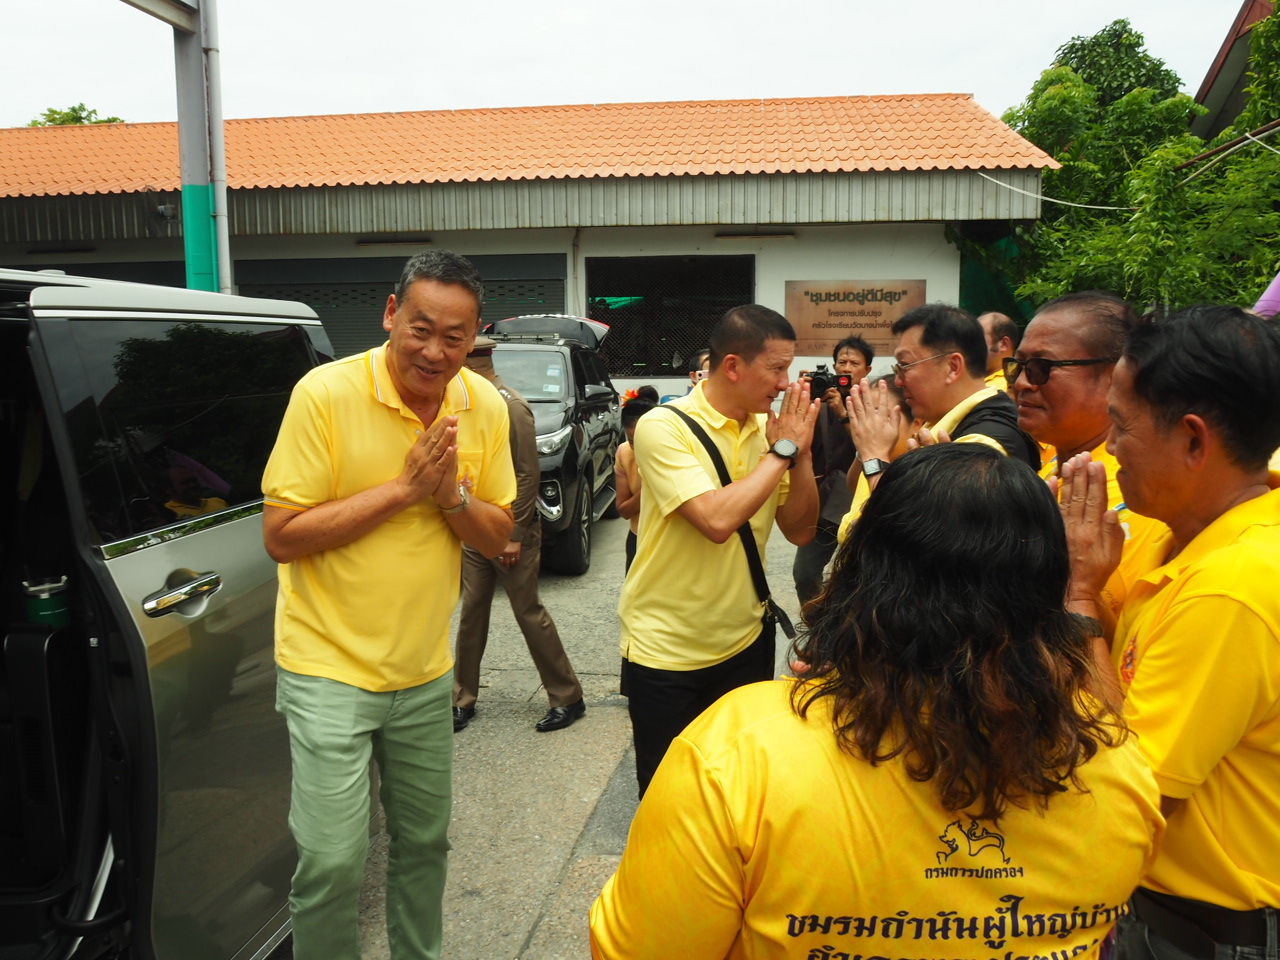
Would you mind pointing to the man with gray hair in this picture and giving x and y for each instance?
(387, 462)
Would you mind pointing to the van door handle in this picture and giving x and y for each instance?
(164, 601)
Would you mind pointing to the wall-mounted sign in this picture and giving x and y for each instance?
(824, 312)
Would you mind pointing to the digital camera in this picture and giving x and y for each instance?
(821, 379)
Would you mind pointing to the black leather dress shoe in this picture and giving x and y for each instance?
(558, 718)
(461, 717)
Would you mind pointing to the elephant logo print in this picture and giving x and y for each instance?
(975, 836)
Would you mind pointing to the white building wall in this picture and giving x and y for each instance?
(902, 251)
(911, 251)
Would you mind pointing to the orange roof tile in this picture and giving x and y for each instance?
(945, 131)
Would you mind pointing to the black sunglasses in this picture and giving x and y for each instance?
(1039, 368)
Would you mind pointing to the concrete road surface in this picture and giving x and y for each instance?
(540, 819)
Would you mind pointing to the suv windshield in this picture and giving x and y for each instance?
(535, 374)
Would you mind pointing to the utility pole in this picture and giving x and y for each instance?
(201, 146)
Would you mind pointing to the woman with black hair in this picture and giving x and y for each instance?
(941, 783)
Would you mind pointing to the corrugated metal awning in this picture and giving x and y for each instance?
(883, 197)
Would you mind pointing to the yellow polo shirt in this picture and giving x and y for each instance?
(997, 380)
(184, 511)
(1198, 652)
(1138, 532)
(759, 838)
(688, 603)
(860, 495)
(375, 612)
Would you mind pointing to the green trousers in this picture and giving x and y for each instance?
(334, 730)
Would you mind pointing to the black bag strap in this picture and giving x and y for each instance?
(999, 417)
(745, 533)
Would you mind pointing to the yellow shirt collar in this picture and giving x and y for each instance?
(717, 420)
(1223, 531)
(952, 417)
(457, 395)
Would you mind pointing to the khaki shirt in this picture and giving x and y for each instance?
(524, 456)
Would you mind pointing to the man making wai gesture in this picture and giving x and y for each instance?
(694, 624)
(387, 462)
(1194, 421)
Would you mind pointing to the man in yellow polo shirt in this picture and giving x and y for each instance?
(1196, 417)
(693, 625)
(1059, 377)
(386, 464)
(941, 361)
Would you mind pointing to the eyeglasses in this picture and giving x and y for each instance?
(1038, 369)
(900, 368)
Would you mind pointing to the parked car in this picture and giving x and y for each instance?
(144, 772)
(552, 361)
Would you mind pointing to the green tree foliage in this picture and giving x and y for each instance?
(1114, 61)
(1185, 229)
(1263, 91)
(72, 116)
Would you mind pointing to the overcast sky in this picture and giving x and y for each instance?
(287, 57)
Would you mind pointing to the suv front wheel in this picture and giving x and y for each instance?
(571, 552)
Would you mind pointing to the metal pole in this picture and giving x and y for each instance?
(198, 235)
(200, 146)
(217, 144)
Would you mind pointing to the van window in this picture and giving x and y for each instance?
(171, 421)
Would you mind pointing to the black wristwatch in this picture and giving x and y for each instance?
(1089, 626)
(873, 466)
(787, 450)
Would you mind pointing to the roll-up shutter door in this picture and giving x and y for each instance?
(512, 298)
(352, 312)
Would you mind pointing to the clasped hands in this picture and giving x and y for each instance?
(431, 465)
(875, 423)
(796, 417)
(1094, 535)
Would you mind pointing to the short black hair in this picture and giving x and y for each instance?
(1111, 318)
(648, 392)
(444, 266)
(854, 343)
(634, 409)
(743, 331)
(947, 327)
(695, 362)
(1218, 362)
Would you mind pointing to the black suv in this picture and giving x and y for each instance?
(551, 360)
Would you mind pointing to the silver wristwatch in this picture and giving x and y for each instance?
(787, 450)
(465, 493)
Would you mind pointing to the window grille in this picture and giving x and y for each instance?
(660, 310)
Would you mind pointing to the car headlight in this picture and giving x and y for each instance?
(550, 443)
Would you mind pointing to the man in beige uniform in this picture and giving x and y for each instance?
(517, 567)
